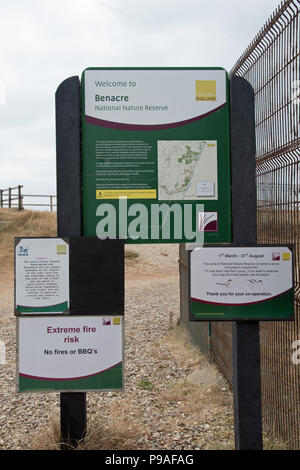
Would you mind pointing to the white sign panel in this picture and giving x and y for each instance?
(240, 275)
(147, 96)
(41, 276)
(241, 283)
(70, 353)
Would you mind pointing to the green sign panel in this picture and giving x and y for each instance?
(156, 154)
(241, 283)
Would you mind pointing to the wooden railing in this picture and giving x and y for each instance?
(13, 198)
(9, 195)
(51, 198)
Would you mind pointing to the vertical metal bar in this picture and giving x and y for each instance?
(245, 335)
(68, 161)
(51, 204)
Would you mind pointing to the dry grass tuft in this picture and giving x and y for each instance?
(178, 343)
(22, 224)
(182, 391)
(272, 442)
(203, 381)
(9, 214)
(47, 437)
(101, 438)
(119, 433)
(130, 254)
(19, 224)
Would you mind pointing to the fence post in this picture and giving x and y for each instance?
(9, 198)
(20, 198)
(1, 197)
(51, 204)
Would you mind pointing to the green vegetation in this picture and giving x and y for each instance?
(130, 254)
(145, 384)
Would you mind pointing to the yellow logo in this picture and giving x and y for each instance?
(286, 256)
(206, 90)
(61, 249)
(116, 321)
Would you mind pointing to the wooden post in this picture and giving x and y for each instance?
(245, 335)
(20, 197)
(9, 198)
(68, 161)
(1, 197)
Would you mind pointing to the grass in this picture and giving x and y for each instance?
(22, 224)
(182, 391)
(179, 344)
(9, 214)
(145, 384)
(119, 433)
(130, 254)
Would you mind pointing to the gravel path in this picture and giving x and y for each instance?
(173, 399)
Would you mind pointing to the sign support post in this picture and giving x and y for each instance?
(245, 335)
(68, 145)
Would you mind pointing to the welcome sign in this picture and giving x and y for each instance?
(156, 154)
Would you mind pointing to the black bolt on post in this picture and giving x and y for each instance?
(67, 98)
(245, 335)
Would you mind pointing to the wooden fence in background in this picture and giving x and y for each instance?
(13, 198)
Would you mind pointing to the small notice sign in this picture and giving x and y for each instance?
(70, 353)
(41, 276)
(241, 283)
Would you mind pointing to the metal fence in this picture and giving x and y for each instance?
(14, 198)
(271, 64)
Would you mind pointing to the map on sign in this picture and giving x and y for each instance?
(187, 169)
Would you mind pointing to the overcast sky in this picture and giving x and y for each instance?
(42, 43)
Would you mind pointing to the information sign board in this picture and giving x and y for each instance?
(156, 154)
(69, 276)
(70, 353)
(241, 283)
(41, 276)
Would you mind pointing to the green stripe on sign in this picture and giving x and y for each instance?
(50, 308)
(107, 380)
(277, 308)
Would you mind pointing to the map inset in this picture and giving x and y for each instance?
(187, 169)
